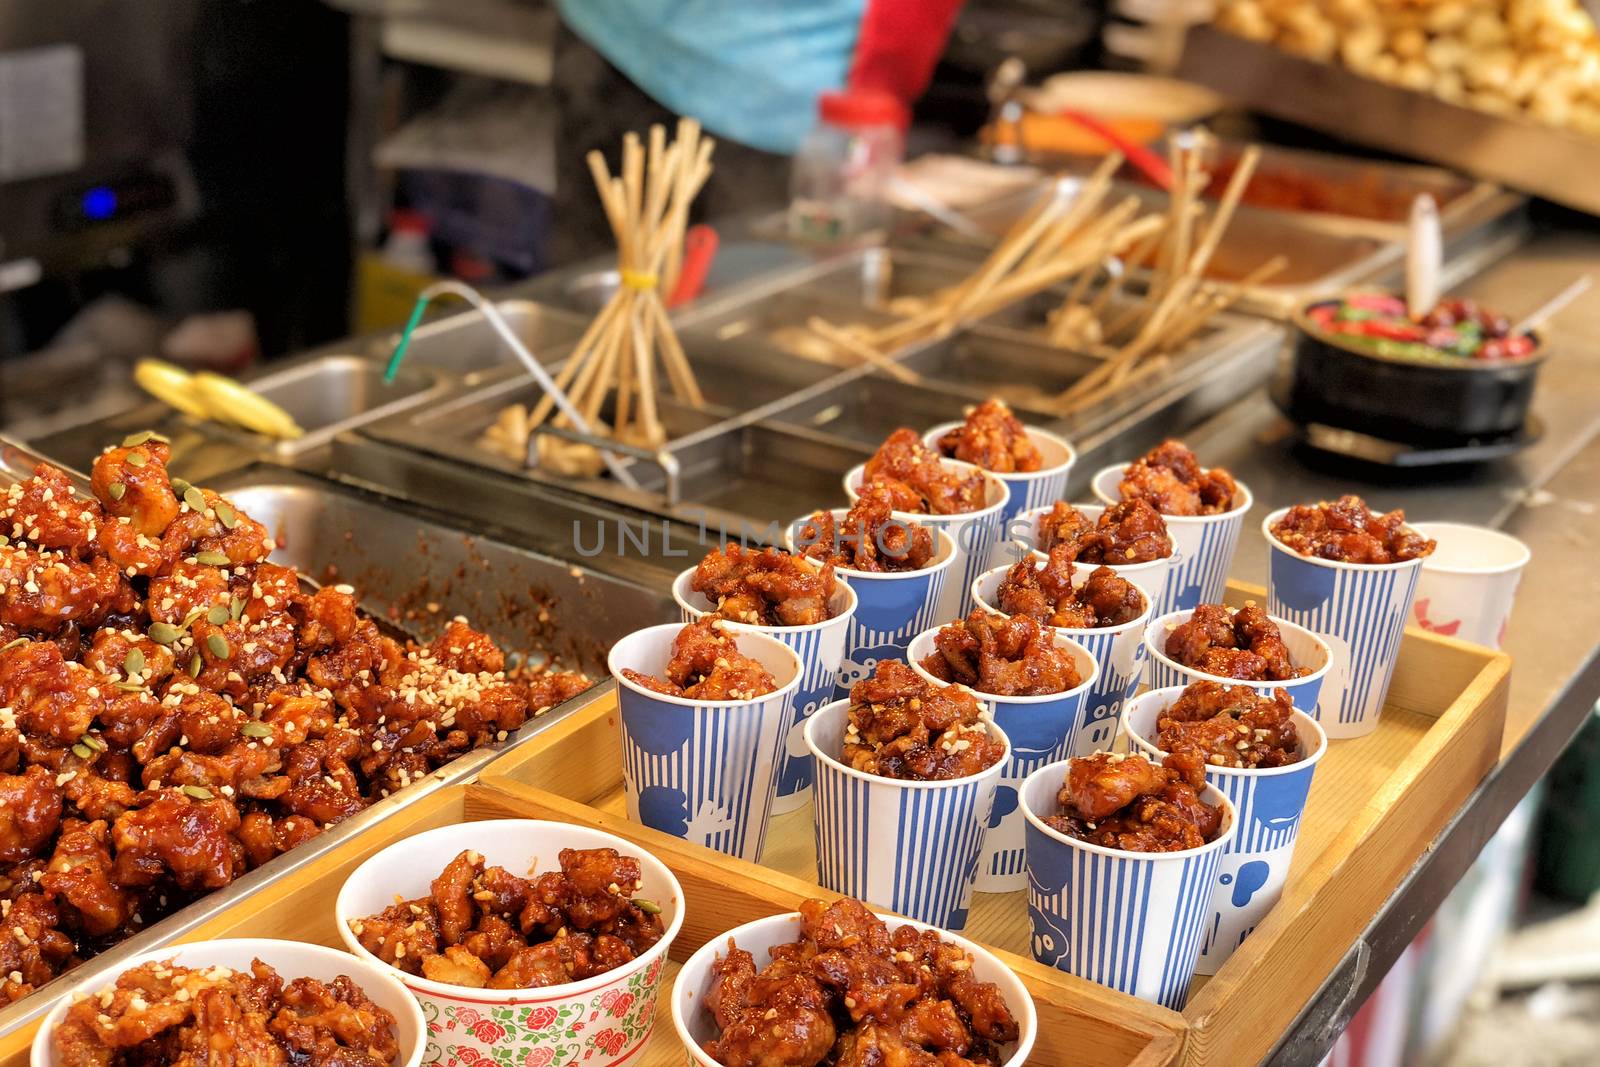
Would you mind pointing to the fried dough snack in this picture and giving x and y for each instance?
(161, 1013)
(901, 726)
(1350, 532)
(1170, 479)
(706, 664)
(175, 710)
(849, 992)
(1243, 644)
(764, 587)
(484, 927)
(869, 538)
(994, 439)
(1001, 656)
(1127, 532)
(1044, 592)
(1128, 803)
(919, 481)
(1230, 726)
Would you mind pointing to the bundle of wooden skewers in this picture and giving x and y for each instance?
(617, 358)
(1067, 238)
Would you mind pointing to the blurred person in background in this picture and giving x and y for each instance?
(749, 70)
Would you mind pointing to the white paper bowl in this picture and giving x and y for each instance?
(600, 1020)
(291, 959)
(694, 1024)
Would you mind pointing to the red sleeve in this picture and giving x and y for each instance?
(901, 41)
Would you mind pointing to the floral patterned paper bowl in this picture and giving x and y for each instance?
(606, 1019)
(693, 1021)
(291, 959)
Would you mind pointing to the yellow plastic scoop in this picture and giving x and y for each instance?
(211, 396)
(171, 385)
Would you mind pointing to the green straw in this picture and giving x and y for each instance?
(405, 340)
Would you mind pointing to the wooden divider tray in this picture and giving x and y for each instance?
(1376, 804)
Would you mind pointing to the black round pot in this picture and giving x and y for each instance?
(1338, 383)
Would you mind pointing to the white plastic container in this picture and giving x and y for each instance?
(839, 185)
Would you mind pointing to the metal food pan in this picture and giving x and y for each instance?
(419, 569)
(468, 348)
(773, 325)
(868, 408)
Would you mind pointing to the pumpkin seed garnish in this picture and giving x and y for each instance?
(649, 907)
(218, 646)
(212, 558)
(195, 499)
(134, 440)
(93, 742)
(256, 729)
(236, 608)
(134, 663)
(195, 665)
(136, 459)
(188, 620)
(4, 540)
(164, 633)
(130, 687)
(82, 751)
(226, 515)
(217, 615)
(199, 792)
(13, 644)
(116, 490)
(179, 486)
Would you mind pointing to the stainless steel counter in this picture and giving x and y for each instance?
(1548, 495)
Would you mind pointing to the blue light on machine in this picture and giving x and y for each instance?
(99, 203)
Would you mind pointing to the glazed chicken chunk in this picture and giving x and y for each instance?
(1243, 644)
(993, 438)
(1002, 656)
(1126, 802)
(1230, 726)
(869, 538)
(764, 587)
(1046, 593)
(918, 480)
(706, 664)
(1171, 480)
(1350, 532)
(902, 726)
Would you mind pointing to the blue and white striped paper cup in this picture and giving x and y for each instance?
(1133, 921)
(1202, 547)
(1269, 802)
(892, 607)
(820, 647)
(1360, 610)
(702, 770)
(912, 847)
(1040, 729)
(1306, 649)
(1151, 575)
(1118, 653)
(975, 533)
(1030, 490)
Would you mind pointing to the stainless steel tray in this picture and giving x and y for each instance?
(404, 560)
(1516, 152)
(466, 347)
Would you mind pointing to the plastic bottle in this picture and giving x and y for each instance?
(839, 185)
(407, 247)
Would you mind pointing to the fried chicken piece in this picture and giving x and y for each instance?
(1170, 479)
(994, 439)
(1245, 644)
(869, 538)
(1065, 525)
(452, 896)
(334, 1023)
(1131, 531)
(1001, 656)
(1112, 598)
(1230, 726)
(457, 966)
(178, 835)
(901, 726)
(45, 592)
(1129, 803)
(79, 877)
(402, 935)
(765, 587)
(145, 498)
(47, 510)
(30, 812)
(918, 481)
(1046, 593)
(706, 664)
(264, 837)
(36, 949)
(1350, 532)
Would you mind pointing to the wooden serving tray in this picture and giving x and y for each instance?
(1376, 804)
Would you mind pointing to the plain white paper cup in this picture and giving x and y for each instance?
(820, 647)
(1306, 649)
(1359, 610)
(1202, 546)
(912, 847)
(695, 1024)
(1151, 575)
(1133, 921)
(975, 533)
(702, 770)
(291, 959)
(604, 1020)
(1029, 489)
(1269, 802)
(1469, 584)
(1040, 729)
(1118, 652)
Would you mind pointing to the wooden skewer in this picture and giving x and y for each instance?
(1149, 369)
(1218, 302)
(850, 343)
